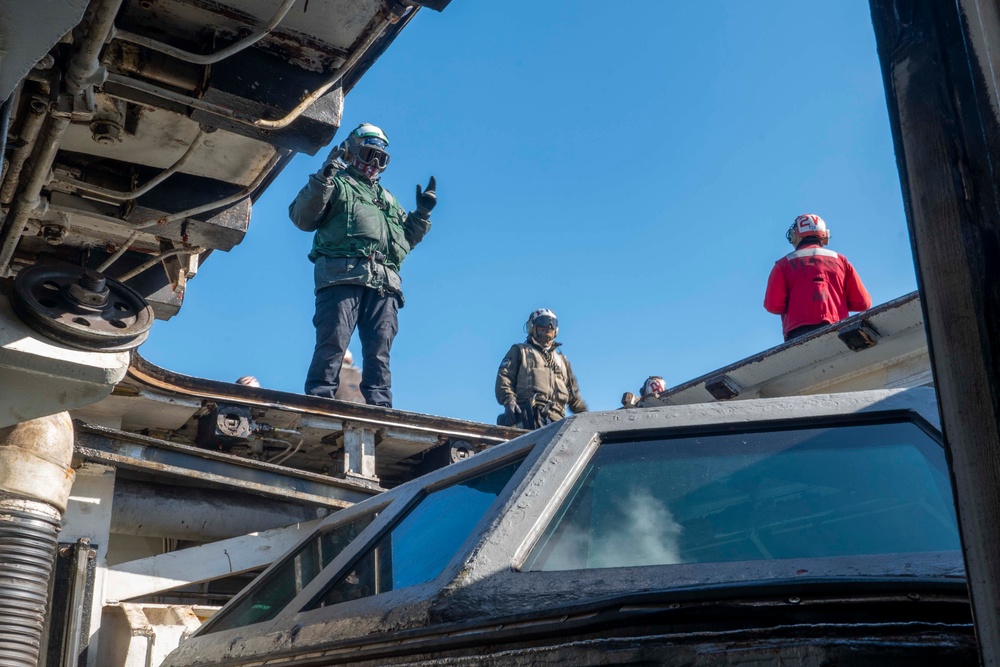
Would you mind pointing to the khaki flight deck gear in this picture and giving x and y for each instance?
(541, 382)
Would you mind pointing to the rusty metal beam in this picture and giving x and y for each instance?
(135, 452)
(937, 65)
(151, 375)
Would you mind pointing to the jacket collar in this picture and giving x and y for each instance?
(531, 341)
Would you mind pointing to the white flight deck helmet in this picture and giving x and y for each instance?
(654, 384)
(541, 323)
(365, 149)
(805, 225)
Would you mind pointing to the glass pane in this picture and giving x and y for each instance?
(417, 549)
(285, 582)
(873, 489)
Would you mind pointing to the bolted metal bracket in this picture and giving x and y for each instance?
(722, 387)
(223, 426)
(859, 336)
(359, 453)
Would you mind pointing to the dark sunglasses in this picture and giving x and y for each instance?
(545, 322)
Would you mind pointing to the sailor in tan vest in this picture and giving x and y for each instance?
(535, 382)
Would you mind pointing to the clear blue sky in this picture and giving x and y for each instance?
(631, 165)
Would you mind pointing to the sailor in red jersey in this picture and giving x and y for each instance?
(812, 286)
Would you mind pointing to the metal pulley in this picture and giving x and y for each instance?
(81, 308)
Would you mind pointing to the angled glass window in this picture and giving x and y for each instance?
(845, 490)
(422, 543)
(277, 589)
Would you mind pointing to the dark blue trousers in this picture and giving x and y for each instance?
(338, 310)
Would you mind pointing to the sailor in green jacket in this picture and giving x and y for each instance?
(535, 381)
(362, 237)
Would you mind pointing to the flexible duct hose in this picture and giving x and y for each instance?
(35, 481)
(28, 532)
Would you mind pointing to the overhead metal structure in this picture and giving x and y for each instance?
(135, 136)
(939, 63)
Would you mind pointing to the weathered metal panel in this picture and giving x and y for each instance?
(822, 363)
(939, 69)
(139, 578)
(481, 604)
(127, 450)
(27, 31)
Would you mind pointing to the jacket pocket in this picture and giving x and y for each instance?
(366, 222)
(399, 248)
(541, 381)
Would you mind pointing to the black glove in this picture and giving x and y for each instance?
(426, 199)
(334, 162)
(512, 412)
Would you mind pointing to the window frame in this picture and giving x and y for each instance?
(482, 582)
(560, 502)
(392, 506)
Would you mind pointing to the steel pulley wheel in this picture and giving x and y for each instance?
(81, 308)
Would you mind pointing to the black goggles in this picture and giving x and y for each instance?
(546, 322)
(370, 154)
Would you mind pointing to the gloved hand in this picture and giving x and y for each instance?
(426, 199)
(334, 162)
(512, 412)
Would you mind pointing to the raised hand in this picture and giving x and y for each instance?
(427, 198)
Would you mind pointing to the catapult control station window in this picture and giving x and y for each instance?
(273, 592)
(419, 547)
(804, 493)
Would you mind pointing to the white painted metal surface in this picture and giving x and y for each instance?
(822, 363)
(141, 635)
(49, 377)
(204, 563)
(88, 515)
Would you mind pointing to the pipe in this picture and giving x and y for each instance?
(28, 201)
(211, 206)
(290, 450)
(35, 482)
(77, 602)
(128, 275)
(5, 109)
(319, 92)
(246, 119)
(27, 137)
(180, 216)
(145, 187)
(147, 509)
(171, 96)
(122, 249)
(85, 65)
(209, 58)
(132, 59)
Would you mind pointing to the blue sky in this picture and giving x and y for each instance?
(632, 166)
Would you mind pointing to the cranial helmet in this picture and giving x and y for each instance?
(365, 149)
(808, 225)
(542, 325)
(654, 384)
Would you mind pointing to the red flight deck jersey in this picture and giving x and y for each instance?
(813, 285)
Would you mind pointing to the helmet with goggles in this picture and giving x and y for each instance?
(805, 226)
(366, 150)
(542, 325)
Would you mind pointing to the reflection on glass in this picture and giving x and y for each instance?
(270, 595)
(872, 489)
(417, 549)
